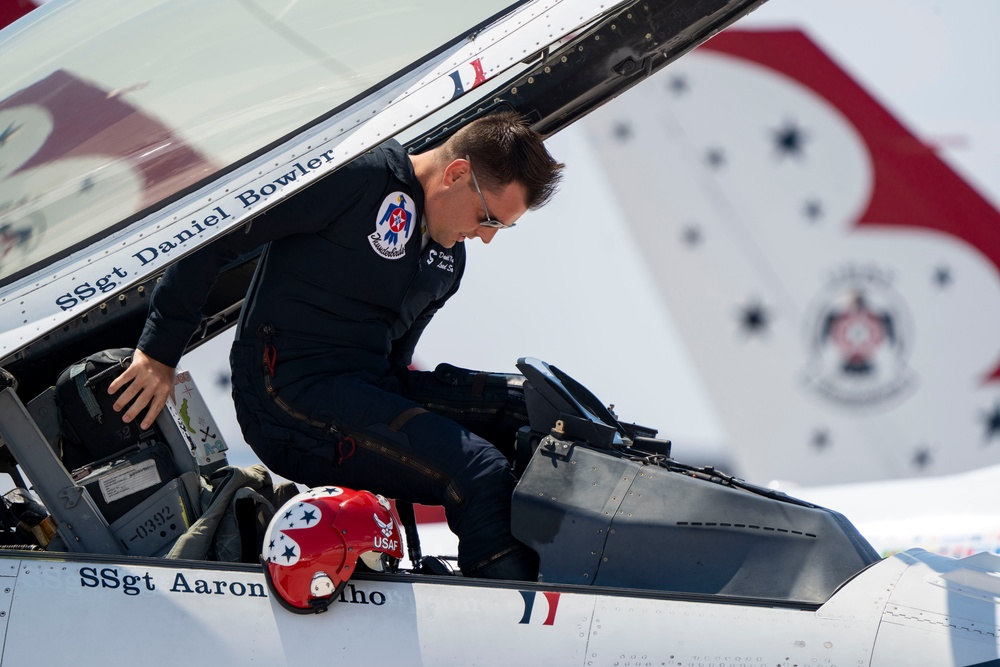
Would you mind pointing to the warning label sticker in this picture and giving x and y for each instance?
(130, 479)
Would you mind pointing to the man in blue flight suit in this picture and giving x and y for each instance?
(352, 270)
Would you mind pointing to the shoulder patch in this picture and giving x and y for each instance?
(394, 224)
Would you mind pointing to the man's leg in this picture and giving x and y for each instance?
(429, 459)
(486, 483)
(491, 405)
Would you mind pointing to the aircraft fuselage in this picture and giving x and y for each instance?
(183, 612)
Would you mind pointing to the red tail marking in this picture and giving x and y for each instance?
(912, 186)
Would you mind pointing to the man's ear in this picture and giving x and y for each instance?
(455, 171)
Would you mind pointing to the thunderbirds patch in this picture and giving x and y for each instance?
(394, 223)
(860, 335)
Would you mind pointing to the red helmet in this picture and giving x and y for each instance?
(314, 541)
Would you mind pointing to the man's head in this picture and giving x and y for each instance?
(493, 169)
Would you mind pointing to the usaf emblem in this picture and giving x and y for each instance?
(394, 223)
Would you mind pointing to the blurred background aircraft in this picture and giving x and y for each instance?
(11, 10)
(784, 256)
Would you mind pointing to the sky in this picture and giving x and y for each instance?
(565, 286)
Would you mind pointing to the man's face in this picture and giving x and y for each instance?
(453, 208)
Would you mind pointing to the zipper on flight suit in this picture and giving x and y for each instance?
(438, 408)
(409, 462)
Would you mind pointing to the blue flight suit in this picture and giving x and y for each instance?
(344, 288)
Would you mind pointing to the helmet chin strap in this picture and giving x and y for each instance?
(409, 522)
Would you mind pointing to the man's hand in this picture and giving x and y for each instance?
(149, 382)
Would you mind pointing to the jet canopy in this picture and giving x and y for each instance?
(156, 97)
(173, 123)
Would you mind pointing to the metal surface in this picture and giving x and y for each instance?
(79, 522)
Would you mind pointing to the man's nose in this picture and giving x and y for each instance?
(486, 234)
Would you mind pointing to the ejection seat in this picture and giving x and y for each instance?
(81, 508)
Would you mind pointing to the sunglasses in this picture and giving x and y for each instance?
(489, 222)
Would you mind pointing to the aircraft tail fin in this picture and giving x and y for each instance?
(836, 283)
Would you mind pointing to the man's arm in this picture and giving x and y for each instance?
(174, 314)
(176, 303)
(401, 354)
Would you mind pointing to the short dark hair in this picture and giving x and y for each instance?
(504, 149)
